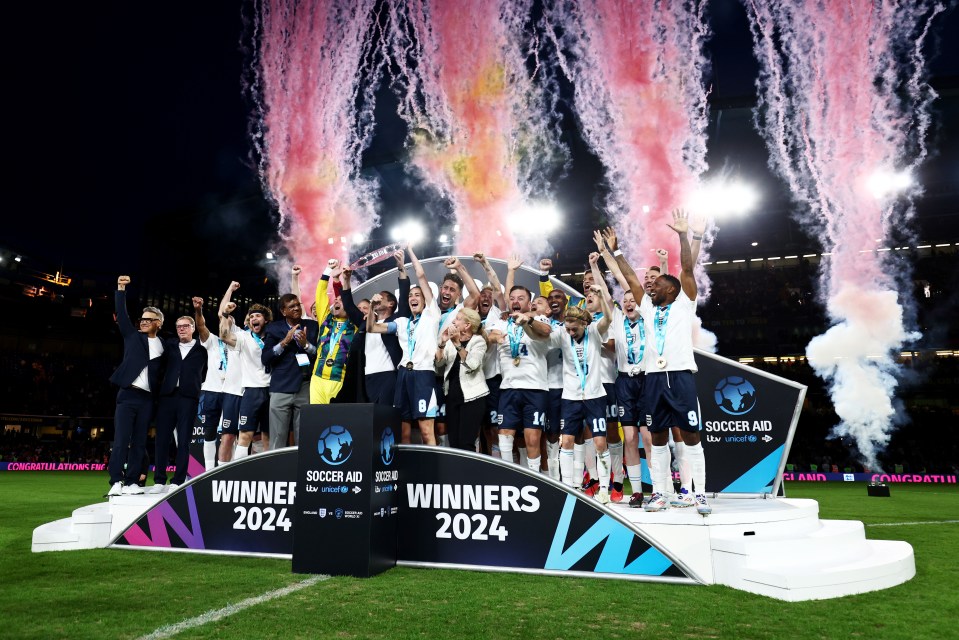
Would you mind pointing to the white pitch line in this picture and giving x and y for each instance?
(170, 630)
(903, 524)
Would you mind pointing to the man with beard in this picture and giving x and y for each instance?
(557, 301)
(522, 347)
(289, 352)
(415, 396)
(669, 313)
(255, 402)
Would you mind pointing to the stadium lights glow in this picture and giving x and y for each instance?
(18, 259)
(444, 238)
(270, 255)
(719, 198)
(536, 218)
(409, 231)
(358, 238)
(885, 182)
(755, 244)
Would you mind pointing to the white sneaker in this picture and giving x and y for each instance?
(657, 502)
(602, 496)
(172, 487)
(116, 489)
(132, 490)
(702, 507)
(157, 488)
(682, 499)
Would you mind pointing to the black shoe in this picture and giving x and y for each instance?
(636, 500)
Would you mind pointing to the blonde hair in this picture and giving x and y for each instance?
(576, 313)
(475, 322)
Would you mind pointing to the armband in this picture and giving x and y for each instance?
(617, 253)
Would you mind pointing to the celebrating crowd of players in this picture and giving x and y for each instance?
(518, 376)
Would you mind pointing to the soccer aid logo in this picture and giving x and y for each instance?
(735, 396)
(335, 445)
(388, 446)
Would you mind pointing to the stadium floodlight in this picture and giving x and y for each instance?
(409, 231)
(18, 259)
(536, 218)
(884, 183)
(721, 198)
(444, 238)
(270, 255)
(358, 238)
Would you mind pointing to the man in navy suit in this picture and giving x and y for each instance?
(179, 397)
(138, 377)
(289, 352)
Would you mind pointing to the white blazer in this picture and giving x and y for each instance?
(472, 379)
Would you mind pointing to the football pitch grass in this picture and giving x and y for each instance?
(112, 593)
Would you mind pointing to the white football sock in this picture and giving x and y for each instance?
(635, 474)
(506, 447)
(602, 464)
(696, 458)
(566, 464)
(616, 461)
(682, 464)
(533, 464)
(209, 454)
(241, 452)
(659, 468)
(443, 440)
(589, 455)
(579, 457)
(552, 459)
(523, 458)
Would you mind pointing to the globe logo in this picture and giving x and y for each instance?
(388, 446)
(335, 445)
(735, 395)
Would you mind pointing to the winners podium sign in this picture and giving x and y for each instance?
(347, 480)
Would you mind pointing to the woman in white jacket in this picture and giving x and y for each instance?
(459, 357)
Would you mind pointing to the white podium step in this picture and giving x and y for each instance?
(93, 526)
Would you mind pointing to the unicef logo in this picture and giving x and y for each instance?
(335, 445)
(388, 446)
(735, 396)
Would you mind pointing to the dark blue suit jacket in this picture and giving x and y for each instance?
(286, 375)
(136, 350)
(189, 371)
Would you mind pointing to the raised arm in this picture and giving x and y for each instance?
(697, 225)
(498, 298)
(681, 226)
(598, 279)
(349, 305)
(403, 299)
(201, 331)
(609, 260)
(663, 256)
(629, 275)
(602, 325)
(545, 286)
(295, 280)
(512, 264)
(472, 300)
(421, 278)
(120, 300)
(322, 297)
(226, 320)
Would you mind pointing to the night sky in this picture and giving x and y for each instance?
(129, 143)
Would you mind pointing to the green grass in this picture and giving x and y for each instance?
(108, 593)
